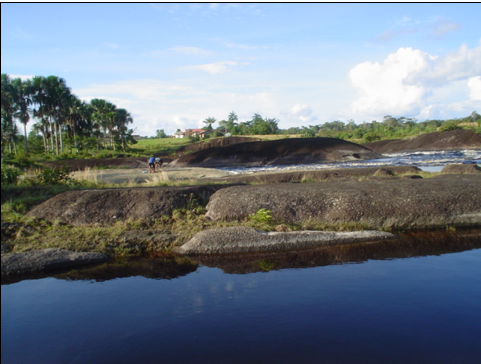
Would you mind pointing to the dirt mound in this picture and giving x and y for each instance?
(458, 139)
(281, 151)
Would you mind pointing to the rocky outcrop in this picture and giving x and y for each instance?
(461, 169)
(453, 200)
(47, 260)
(110, 205)
(458, 139)
(246, 239)
(413, 244)
(277, 152)
(321, 175)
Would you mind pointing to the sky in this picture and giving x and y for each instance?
(174, 65)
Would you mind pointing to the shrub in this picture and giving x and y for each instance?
(261, 216)
(10, 174)
(54, 176)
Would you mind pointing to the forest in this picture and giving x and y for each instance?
(62, 120)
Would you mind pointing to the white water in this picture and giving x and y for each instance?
(427, 161)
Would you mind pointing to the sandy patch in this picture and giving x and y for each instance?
(141, 175)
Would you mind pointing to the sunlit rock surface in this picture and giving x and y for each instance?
(247, 239)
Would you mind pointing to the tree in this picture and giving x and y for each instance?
(22, 99)
(209, 121)
(231, 121)
(159, 133)
(8, 109)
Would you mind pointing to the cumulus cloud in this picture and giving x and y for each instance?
(474, 84)
(403, 84)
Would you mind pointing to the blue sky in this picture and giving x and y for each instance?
(174, 65)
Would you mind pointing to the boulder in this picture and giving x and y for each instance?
(453, 200)
(47, 260)
(107, 206)
(246, 239)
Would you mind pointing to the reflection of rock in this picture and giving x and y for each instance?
(155, 268)
(382, 203)
(246, 239)
(277, 152)
(407, 246)
(47, 260)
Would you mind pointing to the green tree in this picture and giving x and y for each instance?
(159, 133)
(209, 121)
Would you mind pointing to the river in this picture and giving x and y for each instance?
(416, 301)
(427, 161)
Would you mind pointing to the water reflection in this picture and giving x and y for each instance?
(408, 245)
(158, 268)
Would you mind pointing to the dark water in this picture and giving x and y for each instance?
(414, 301)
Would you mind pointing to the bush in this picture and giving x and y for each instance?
(261, 216)
(54, 176)
(10, 175)
(452, 125)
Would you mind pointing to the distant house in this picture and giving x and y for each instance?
(191, 133)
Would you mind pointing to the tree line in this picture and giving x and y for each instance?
(60, 116)
(389, 127)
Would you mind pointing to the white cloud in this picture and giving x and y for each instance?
(442, 27)
(23, 77)
(431, 28)
(214, 68)
(406, 80)
(474, 84)
(302, 112)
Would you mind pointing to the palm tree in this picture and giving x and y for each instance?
(22, 98)
(209, 121)
(8, 109)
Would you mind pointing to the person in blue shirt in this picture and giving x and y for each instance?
(151, 163)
